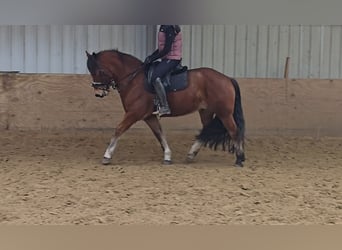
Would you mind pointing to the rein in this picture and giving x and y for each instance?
(115, 84)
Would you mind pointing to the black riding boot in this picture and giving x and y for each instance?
(161, 94)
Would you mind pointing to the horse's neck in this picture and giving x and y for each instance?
(132, 95)
(131, 85)
(122, 69)
(127, 78)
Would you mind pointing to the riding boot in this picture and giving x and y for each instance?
(161, 94)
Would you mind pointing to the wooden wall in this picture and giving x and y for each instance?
(272, 106)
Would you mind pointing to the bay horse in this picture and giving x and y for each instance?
(214, 95)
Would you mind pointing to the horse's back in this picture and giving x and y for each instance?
(206, 70)
(210, 78)
(214, 87)
(208, 74)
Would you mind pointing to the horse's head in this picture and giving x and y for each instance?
(103, 79)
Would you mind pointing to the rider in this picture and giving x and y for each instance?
(170, 52)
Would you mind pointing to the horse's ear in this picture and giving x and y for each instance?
(87, 53)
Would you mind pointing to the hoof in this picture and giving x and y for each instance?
(242, 157)
(167, 162)
(238, 164)
(105, 161)
(239, 160)
(189, 160)
(191, 157)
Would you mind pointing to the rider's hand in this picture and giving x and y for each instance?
(148, 60)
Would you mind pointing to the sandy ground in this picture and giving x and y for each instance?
(55, 177)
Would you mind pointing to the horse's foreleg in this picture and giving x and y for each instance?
(156, 128)
(125, 124)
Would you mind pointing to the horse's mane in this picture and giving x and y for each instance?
(123, 57)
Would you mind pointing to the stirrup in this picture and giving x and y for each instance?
(159, 113)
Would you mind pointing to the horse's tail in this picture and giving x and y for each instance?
(215, 133)
(238, 112)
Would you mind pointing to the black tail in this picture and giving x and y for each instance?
(215, 133)
(238, 112)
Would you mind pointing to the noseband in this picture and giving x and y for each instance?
(104, 86)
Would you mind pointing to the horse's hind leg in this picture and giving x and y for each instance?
(206, 116)
(195, 148)
(238, 145)
(154, 124)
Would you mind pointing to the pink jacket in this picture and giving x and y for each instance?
(176, 49)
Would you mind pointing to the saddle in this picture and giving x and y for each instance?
(174, 81)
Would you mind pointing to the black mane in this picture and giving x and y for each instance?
(123, 57)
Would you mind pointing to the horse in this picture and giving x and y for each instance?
(215, 96)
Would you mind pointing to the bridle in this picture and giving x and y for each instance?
(116, 84)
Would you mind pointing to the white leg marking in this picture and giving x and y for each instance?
(111, 147)
(194, 149)
(167, 150)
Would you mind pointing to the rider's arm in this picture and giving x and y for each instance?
(169, 38)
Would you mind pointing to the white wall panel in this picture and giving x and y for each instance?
(17, 50)
(335, 56)
(229, 50)
(240, 50)
(30, 49)
(325, 49)
(5, 42)
(218, 48)
(68, 49)
(194, 45)
(305, 51)
(284, 45)
(61, 48)
(261, 50)
(56, 35)
(273, 52)
(315, 52)
(294, 51)
(80, 46)
(208, 45)
(251, 50)
(237, 50)
(43, 48)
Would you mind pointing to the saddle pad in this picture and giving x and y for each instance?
(176, 82)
